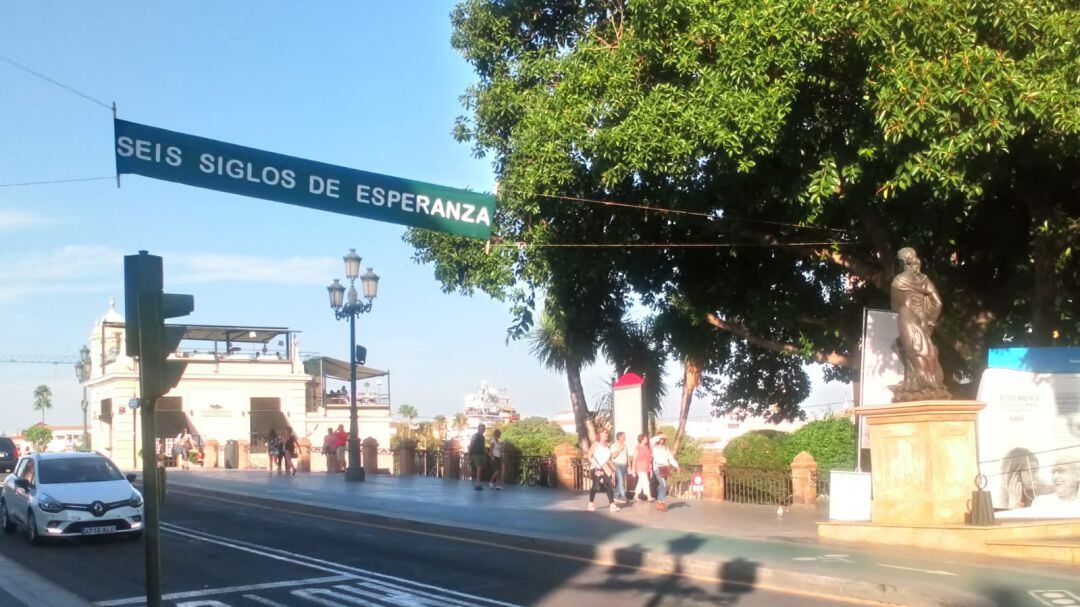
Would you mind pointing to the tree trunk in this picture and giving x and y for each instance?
(691, 380)
(585, 431)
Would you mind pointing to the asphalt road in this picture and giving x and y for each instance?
(219, 554)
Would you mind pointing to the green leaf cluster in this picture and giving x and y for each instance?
(758, 449)
(832, 442)
(536, 436)
(38, 435)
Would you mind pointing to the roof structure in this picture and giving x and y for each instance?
(338, 369)
(233, 334)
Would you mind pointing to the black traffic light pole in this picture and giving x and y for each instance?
(149, 339)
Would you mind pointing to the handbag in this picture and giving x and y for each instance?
(665, 471)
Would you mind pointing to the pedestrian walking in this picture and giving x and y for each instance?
(274, 447)
(182, 449)
(341, 440)
(664, 465)
(477, 453)
(496, 459)
(602, 469)
(328, 449)
(620, 456)
(642, 468)
(290, 451)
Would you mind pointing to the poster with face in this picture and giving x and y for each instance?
(1029, 432)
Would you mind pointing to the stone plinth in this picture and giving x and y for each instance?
(713, 463)
(452, 459)
(804, 480)
(925, 461)
(370, 446)
(243, 455)
(210, 454)
(304, 464)
(564, 465)
(406, 454)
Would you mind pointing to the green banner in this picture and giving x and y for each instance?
(215, 165)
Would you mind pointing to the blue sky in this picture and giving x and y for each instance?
(368, 85)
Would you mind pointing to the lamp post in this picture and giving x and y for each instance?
(342, 310)
(82, 372)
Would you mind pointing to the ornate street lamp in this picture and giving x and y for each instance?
(370, 284)
(82, 372)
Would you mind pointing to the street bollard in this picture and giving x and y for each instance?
(161, 483)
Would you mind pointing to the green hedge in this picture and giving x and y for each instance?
(831, 441)
(758, 449)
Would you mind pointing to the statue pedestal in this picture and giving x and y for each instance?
(925, 461)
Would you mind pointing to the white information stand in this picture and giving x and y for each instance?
(849, 496)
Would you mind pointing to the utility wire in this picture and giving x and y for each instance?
(709, 216)
(56, 82)
(25, 183)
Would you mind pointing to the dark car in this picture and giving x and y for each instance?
(9, 454)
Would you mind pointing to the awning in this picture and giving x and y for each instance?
(325, 366)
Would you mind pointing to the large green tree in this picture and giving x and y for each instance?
(799, 144)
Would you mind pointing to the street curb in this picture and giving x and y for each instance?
(734, 576)
(32, 589)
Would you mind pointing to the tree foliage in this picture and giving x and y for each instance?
(536, 436)
(38, 435)
(809, 140)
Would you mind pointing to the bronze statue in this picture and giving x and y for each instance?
(918, 306)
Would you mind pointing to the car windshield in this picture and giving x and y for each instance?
(77, 470)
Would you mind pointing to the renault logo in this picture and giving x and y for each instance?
(97, 509)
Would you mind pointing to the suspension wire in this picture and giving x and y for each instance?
(1026, 455)
(709, 216)
(55, 82)
(51, 181)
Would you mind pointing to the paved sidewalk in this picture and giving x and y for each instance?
(722, 540)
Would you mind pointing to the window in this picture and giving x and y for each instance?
(106, 411)
(28, 471)
(79, 470)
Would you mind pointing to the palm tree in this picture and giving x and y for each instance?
(439, 424)
(409, 413)
(637, 347)
(460, 422)
(560, 348)
(42, 400)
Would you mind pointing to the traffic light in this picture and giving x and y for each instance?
(148, 337)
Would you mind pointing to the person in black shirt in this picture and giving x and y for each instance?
(477, 453)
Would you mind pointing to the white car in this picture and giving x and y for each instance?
(70, 494)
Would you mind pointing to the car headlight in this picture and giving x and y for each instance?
(48, 504)
(135, 500)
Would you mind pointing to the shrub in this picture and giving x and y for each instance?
(758, 449)
(831, 441)
(38, 435)
(536, 436)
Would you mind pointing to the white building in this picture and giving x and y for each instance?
(488, 405)
(239, 383)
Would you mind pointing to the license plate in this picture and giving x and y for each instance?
(99, 530)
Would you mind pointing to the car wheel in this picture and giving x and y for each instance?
(31, 529)
(5, 520)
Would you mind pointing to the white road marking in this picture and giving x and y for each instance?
(1055, 598)
(254, 598)
(201, 603)
(314, 595)
(317, 563)
(135, 600)
(426, 598)
(930, 571)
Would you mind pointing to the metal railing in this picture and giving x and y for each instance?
(757, 486)
(823, 483)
